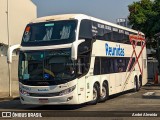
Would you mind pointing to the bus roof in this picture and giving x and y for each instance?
(56, 17)
(81, 16)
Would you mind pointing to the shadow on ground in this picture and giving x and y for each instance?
(15, 104)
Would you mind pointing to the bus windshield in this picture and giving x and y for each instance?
(46, 65)
(55, 32)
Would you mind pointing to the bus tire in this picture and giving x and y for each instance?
(96, 94)
(136, 84)
(105, 94)
(140, 80)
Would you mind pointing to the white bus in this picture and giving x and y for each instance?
(75, 58)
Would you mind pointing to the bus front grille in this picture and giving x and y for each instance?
(44, 94)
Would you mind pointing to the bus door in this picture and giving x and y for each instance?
(89, 85)
(81, 80)
(92, 76)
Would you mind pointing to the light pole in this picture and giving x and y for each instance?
(9, 65)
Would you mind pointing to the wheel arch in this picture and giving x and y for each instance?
(135, 77)
(97, 82)
(106, 81)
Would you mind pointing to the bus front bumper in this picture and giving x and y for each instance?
(70, 98)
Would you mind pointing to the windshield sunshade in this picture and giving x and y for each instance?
(56, 32)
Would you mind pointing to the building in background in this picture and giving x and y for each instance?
(152, 64)
(14, 15)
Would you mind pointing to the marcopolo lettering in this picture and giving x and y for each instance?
(114, 51)
(43, 89)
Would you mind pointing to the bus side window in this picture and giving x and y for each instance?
(86, 64)
(126, 39)
(85, 31)
(100, 34)
(132, 63)
(119, 65)
(97, 66)
(111, 63)
(107, 35)
(106, 65)
(115, 36)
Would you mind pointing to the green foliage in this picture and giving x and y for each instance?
(145, 16)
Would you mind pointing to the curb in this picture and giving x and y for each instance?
(152, 84)
(9, 98)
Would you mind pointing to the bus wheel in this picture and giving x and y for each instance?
(137, 84)
(96, 94)
(105, 93)
(140, 80)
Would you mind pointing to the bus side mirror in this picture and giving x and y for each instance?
(79, 71)
(10, 51)
(74, 52)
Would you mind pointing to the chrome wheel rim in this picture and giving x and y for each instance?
(135, 86)
(94, 94)
(139, 84)
(103, 92)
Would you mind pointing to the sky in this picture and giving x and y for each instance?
(108, 10)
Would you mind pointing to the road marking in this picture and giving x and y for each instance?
(129, 94)
(149, 104)
(149, 94)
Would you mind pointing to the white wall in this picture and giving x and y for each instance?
(20, 12)
(3, 21)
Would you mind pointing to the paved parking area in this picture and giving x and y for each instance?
(130, 102)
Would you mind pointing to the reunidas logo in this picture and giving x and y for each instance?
(114, 51)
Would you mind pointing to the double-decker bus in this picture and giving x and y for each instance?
(75, 58)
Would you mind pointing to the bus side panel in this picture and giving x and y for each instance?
(81, 89)
(110, 78)
(145, 74)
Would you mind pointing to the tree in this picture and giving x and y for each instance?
(145, 16)
(156, 8)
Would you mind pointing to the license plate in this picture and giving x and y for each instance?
(43, 101)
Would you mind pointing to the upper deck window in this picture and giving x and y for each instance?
(47, 33)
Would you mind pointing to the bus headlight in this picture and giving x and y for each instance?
(67, 91)
(24, 92)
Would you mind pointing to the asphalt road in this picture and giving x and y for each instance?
(122, 105)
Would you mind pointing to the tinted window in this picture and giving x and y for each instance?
(120, 65)
(85, 29)
(100, 31)
(97, 66)
(91, 29)
(105, 65)
(107, 35)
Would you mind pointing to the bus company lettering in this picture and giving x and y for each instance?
(43, 89)
(114, 51)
